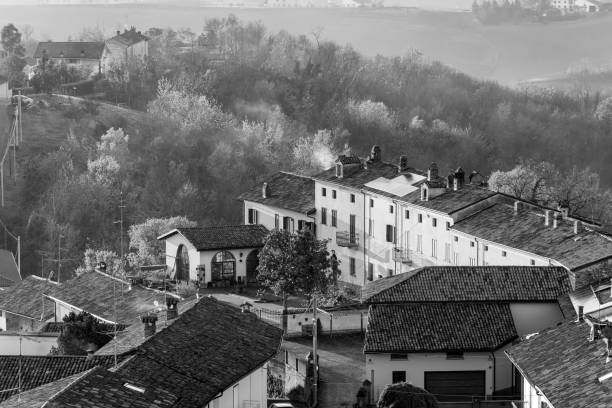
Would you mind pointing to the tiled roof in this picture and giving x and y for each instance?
(358, 178)
(223, 237)
(38, 396)
(207, 349)
(79, 50)
(39, 370)
(286, 191)
(565, 366)
(132, 337)
(471, 284)
(8, 268)
(129, 37)
(526, 231)
(438, 327)
(352, 159)
(56, 327)
(451, 201)
(95, 293)
(25, 298)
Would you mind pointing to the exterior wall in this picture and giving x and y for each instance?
(343, 205)
(379, 368)
(32, 344)
(4, 91)
(342, 321)
(533, 398)
(13, 322)
(534, 317)
(139, 50)
(206, 257)
(117, 54)
(90, 66)
(172, 244)
(267, 215)
(379, 252)
(249, 392)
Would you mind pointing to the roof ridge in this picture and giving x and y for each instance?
(290, 173)
(76, 380)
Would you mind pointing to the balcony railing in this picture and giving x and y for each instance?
(401, 255)
(346, 239)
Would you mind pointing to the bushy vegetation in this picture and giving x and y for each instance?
(230, 105)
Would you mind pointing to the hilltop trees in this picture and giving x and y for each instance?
(10, 38)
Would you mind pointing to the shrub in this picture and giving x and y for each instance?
(186, 289)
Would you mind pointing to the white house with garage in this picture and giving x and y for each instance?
(445, 329)
(214, 256)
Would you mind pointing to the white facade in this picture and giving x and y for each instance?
(200, 262)
(274, 217)
(249, 392)
(532, 397)
(27, 344)
(5, 92)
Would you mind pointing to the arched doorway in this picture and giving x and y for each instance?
(223, 267)
(252, 262)
(182, 264)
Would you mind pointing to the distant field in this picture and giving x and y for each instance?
(508, 54)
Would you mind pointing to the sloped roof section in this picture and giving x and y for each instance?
(527, 231)
(470, 284)
(286, 191)
(207, 349)
(9, 274)
(359, 178)
(451, 201)
(438, 327)
(129, 37)
(562, 360)
(38, 396)
(223, 237)
(95, 293)
(40, 370)
(73, 50)
(26, 298)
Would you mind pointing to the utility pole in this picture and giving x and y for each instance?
(315, 359)
(59, 257)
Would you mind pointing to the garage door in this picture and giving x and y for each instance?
(455, 385)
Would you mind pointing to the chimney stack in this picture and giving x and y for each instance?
(580, 314)
(172, 308)
(555, 220)
(403, 163)
(149, 324)
(517, 206)
(432, 172)
(91, 349)
(564, 209)
(118, 32)
(458, 179)
(375, 154)
(265, 191)
(547, 218)
(577, 227)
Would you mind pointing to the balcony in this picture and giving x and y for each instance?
(401, 255)
(346, 239)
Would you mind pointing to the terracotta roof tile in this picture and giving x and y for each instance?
(358, 178)
(438, 327)
(451, 201)
(8, 268)
(286, 191)
(471, 283)
(38, 396)
(526, 231)
(223, 237)
(26, 298)
(129, 37)
(565, 366)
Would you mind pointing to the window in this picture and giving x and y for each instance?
(407, 214)
(486, 247)
(419, 243)
(396, 356)
(472, 244)
(391, 209)
(472, 261)
(454, 355)
(352, 198)
(223, 266)
(398, 376)
(323, 191)
(286, 357)
(253, 216)
(434, 222)
(323, 215)
(182, 263)
(276, 221)
(532, 262)
(288, 224)
(371, 203)
(352, 266)
(456, 238)
(447, 251)
(504, 253)
(334, 220)
(434, 248)
(447, 225)
(420, 217)
(390, 233)
(370, 227)
(455, 258)
(334, 194)
(389, 272)
(370, 271)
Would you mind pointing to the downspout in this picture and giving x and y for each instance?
(494, 369)
(365, 271)
(397, 233)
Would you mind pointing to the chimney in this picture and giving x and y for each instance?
(564, 209)
(172, 308)
(403, 164)
(91, 349)
(547, 218)
(245, 307)
(265, 191)
(577, 227)
(149, 324)
(139, 32)
(375, 154)
(580, 314)
(517, 206)
(118, 32)
(432, 172)
(555, 219)
(458, 179)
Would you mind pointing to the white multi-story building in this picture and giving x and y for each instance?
(382, 219)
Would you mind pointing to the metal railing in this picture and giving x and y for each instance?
(401, 255)
(347, 239)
